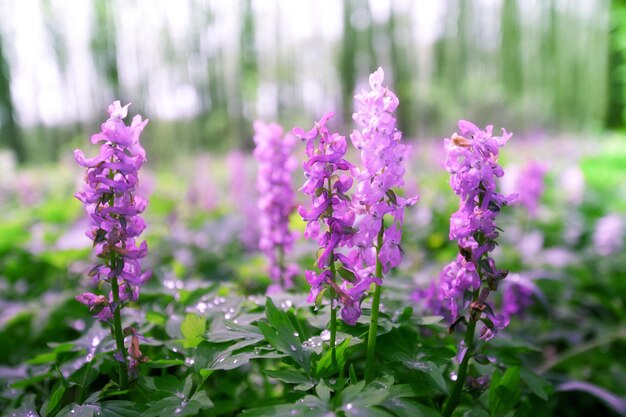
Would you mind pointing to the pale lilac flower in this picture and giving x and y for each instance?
(608, 236)
(110, 200)
(572, 183)
(530, 185)
(202, 191)
(276, 199)
(241, 186)
(382, 159)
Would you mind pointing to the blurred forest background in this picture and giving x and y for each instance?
(203, 70)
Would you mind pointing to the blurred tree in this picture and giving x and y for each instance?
(616, 97)
(249, 74)
(9, 130)
(347, 60)
(403, 72)
(104, 46)
(511, 48)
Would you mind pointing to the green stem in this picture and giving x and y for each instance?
(455, 397)
(281, 266)
(333, 296)
(119, 336)
(371, 336)
(117, 317)
(333, 312)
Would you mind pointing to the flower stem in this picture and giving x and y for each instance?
(371, 335)
(282, 279)
(455, 397)
(333, 312)
(119, 336)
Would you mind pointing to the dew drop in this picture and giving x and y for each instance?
(227, 316)
(189, 361)
(325, 335)
(292, 347)
(349, 406)
(453, 376)
(296, 334)
(234, 361)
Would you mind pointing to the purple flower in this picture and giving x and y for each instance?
(114, 208)
(517, 296)
(330, 217)
(276, 199)
(530, 184)
(472, 161)
(382, 170)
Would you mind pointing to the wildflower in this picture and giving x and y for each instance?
(114, 208)
(276, 199)
(382, 170)
(472, 161)
(327, 180)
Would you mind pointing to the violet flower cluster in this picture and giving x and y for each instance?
(328, 179)
(114, 208)
(276, 199)
(382, 157)
(472, 161)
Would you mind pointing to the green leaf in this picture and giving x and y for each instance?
(27, 382)
(537, 384)
(164, 363)
(290, 376)
(55, 399)
(352, 373)
(432, 371)
(281, 334)
(504, 392)
(310, 407)
(346, 274)
(43, 358)
(325, 366)
(323, 391)
(102, 409)
(319, 299)
(192, 329)
(355, 398)
(155, 318)
(404, 407)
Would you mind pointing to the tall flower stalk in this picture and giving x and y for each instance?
(329, 220)
(382, 170)
(276, 199)
(466, 283)
(109, 197)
